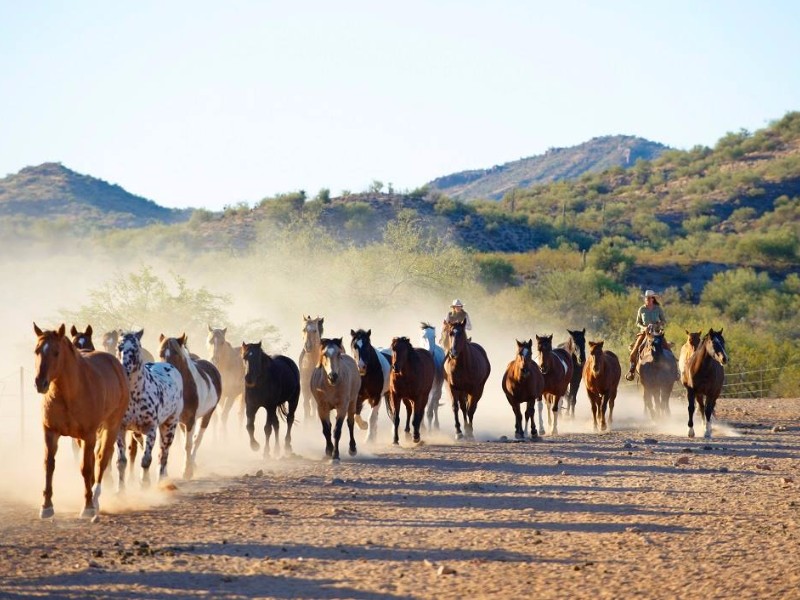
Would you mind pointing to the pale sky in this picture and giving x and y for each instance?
(208, 104)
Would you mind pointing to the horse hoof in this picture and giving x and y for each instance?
(352, 452)
(89, 513)
(362, 424)
(254, 446)
(47, 513)
(459, 436)
(519, 436)
(396, 442)
(691, 433)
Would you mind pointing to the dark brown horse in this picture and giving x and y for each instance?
(466, 369)
(523, 384)
(658, 372)
(202, 387)
(576, 346)
(410, 381)
(85, 396)
(556, 366)
(271, 382)
(82, 340)
(703, 377)
(335, 383)
(229, 362)
(601, 375)
(373, 367)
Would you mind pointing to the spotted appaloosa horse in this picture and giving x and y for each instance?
(85, 396)
(556, 367)
(428, 341)
(373, 367)
(335, 383)
(82, 340)
(601, 375)
(110, 343)
(202, 388)
(466, 370)
(229, 362)
(703, 377)
(156, 404)
(523, 384)
(309, 359)
(410, 381)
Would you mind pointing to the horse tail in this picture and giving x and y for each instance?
(283, 410)
(389, 410)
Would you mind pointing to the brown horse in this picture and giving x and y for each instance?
(556, 366)
(703, 377)
(601, 375)
(82, 340)
(202, 388)
(688, 348)
(466, 369)
(335, 383)
(85, 395)
(658, 372)
(410, 381)
(229, 362)
(523, 383)
(309, 359)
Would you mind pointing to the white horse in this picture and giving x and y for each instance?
(428, 341)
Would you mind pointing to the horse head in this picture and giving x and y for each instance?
(173, 350)
(455, 338)
(360, 346)
(715, 346)
(596, 354)
(579, 341)
(312, 332)
(330, 357)
(401, 348)
(49, 350)
(428, 336)
(252, 359)
(693, 339)
(82, 340)
(215, 343)
(129, 350)
(110, 339)
(544, 348)
(524, 357)
(655, 340)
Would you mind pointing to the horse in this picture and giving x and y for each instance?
(309, 358)
(601, 375)
(428, 341)
(575, 345)
(466, 369)
(556, 366)
(229, 362)
(85, 396)
(156, 403)
(688, 348)
(110, 343)
(523, 383)
(271, 382)
(410, 381)
(335, 383)
(82, 340)
(703, 377)
(373, 367)
(202, 388)
(658, 372)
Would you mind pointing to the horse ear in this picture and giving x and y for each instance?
(73, 331)
(259, 344)
(224, 331)
(321, 321)
(62, 330)
(209, 328)
(720, 331)
(583, 331)
(352, 333)
(243, 346)
(36, 329)
(369, 332)
(89, 330)
(139, 334)
(161, 337)
(182, 339)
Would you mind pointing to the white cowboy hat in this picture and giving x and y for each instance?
(649, 293)
(457, 302)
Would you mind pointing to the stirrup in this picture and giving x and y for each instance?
(629, 375)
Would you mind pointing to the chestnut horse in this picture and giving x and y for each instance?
(703, 377)
(202, 388)
(85, 395)
(272, 382)
(523, 384)
(466, 369)
(410, 381)
(428, 341)
(601, 375)
(688, 348)
(334, 384)
(373, 367)
(309, 359)
(556, 366)
(229, 362)
(576, 346)
(658, 372)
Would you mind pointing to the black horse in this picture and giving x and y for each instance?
(576, 347)
(272, 382)
(373, 367)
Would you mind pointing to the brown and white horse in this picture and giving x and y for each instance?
(601, 375)
(703, 377)
(229, 362)
(556, 367)
(309, 359)
(523, 384)
(85, 395)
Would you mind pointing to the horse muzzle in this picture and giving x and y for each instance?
(42, 384)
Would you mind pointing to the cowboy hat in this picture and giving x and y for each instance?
(649, 293)
(457, 302)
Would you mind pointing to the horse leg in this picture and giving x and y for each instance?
(103, 454)
(429, 413)
(200, 433)
(251, 425)
(147, 455)
(372, 434)
(121, 460)
(554, 412)
(409, 411)
(188, 432)
(603, 409)
(351, 419)
(690, 398)
(472, 406)
(287, 442)
(51, 446)
(540, 409)
(87, 470)
(611, 399)
(337, 435)
(456, 401)
(419, 414)
(709, 411)
(167, 430)
(463, 405)
(325, 420)
(274, 425)
(519, 433)
(395, 406)
(133, 447)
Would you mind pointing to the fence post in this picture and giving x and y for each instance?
(22, 405)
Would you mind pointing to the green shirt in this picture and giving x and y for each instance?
(648, 316)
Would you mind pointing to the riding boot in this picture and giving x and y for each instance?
(631, 371)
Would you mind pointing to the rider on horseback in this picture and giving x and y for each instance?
(457, 314)
(649, 314)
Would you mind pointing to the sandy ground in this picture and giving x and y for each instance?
(642, 512)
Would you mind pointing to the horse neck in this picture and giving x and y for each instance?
(519, 364)
(596, 364)
(429, 340)
(69, 381)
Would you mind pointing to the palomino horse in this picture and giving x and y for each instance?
(523, 384)
(82, 340)
(111, 342)
(373, 367)
(556, 366)
(601, 375)
(309, 359)
(466, 370)
(428, 341)
(272, 382)
(703, 377)
(688, 348)
(156, 404)
(229, 362)
(335, 383)
(202, 388)
(658, 372)
(85, 395)
(576, 346)
(410, 381)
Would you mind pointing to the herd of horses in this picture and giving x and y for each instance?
(97, 397)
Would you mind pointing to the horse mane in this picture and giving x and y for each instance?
(426, 325)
